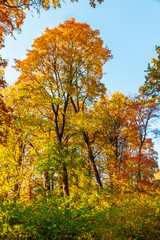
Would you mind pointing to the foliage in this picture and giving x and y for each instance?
(75, 163)
(99, 216)
(60, 74)
(13, 13)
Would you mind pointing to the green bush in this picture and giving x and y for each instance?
(101, 216)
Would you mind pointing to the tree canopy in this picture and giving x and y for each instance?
(62, 72)
(75, 161)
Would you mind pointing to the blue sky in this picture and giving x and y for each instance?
(130, 28)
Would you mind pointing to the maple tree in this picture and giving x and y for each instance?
(64, 68)
(13, 13)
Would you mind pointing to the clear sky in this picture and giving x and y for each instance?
(130, 29)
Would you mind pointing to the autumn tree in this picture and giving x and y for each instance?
(121, 144)
(63, 69)
(110, 145)
(115, 137)
(13, 13)
(19, 180)
(144, 157)
(19, 152)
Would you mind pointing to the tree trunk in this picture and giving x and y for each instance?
(17, 191)
(47, 181)
(19, 163)
(91, 157)
(60, 132)
(65, 182)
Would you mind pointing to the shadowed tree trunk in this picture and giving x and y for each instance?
(92, 159)
(19, 163)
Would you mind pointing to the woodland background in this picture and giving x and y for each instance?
(76, 162)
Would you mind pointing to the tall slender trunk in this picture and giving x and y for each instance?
(139, 168)
(47, 181)
(65, 182)
(91, 158)
(59, 133)
(19, 163)
(139, 163)
(17, 191)
(30, 191)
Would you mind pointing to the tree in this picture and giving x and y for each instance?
(144, 158)
(116, 145)
(111, 146)
(64, 68)
(13, 13)
(126, 154)
(18, 152)
(151, 87)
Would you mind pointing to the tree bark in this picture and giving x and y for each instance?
(19, 163)
(91, 158)
(47, 181)
(60, 132)
(65, 182)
